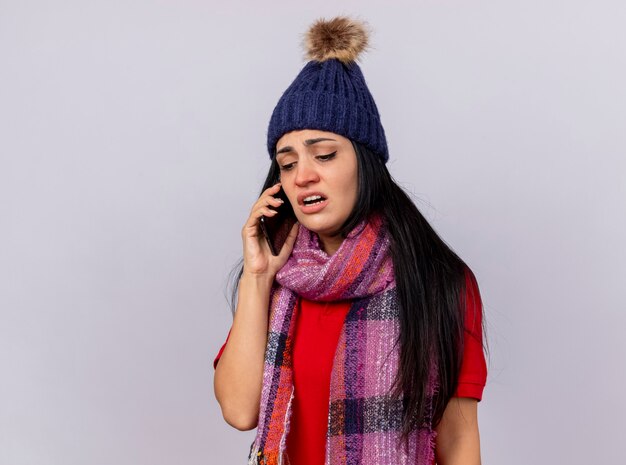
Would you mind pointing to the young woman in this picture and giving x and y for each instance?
(361, 341)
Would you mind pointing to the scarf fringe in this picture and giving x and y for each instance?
(283, 441)
(256, 456)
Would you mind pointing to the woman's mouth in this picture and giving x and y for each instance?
(313, 199)
(313, 204)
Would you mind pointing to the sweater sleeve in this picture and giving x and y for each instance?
(473, 373)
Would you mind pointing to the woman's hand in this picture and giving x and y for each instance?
(258, 259)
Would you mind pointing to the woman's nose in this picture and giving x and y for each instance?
(305, 174)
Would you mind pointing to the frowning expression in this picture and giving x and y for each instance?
(319, 174)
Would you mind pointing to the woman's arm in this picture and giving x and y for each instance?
(458, 441)
(238, 377)
(239, 373)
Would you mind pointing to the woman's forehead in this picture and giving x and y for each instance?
(301, 135)
(305, 140)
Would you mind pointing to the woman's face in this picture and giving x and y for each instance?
(316, 164)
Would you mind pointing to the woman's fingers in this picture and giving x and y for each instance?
(272, 189)
(276, 201)
(265, 211)
(261, 206)
(270, 201)
(267, 200)
(269, 192)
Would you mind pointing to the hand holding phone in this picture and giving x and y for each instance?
(276, 228)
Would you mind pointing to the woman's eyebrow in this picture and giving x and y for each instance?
(306, 143)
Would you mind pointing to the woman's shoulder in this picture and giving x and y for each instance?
(472, 291)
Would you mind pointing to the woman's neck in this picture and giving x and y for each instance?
(330, 244)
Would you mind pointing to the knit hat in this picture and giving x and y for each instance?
(330, 93)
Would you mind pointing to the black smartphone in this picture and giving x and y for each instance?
(276, 228)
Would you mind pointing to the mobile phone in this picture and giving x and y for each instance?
(276, 228)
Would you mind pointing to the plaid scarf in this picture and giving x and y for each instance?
(364, 420)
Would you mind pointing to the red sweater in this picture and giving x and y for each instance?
(317, 331)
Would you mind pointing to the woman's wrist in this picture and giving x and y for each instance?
(257, 279)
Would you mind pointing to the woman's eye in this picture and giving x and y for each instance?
(327, 157)
(286, 167)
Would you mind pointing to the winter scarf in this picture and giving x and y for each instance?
(364, 420)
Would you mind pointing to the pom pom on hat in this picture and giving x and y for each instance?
(341, 37)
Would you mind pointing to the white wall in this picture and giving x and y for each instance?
(132, 144)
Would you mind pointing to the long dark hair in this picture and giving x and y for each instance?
(430, 281)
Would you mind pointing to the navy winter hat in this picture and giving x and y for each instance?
(330, 93)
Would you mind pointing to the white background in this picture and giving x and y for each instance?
(132, 145)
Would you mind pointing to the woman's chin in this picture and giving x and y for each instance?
(320, 227)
